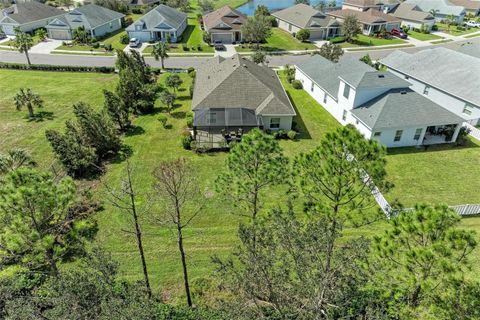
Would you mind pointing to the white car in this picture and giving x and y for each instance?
(134, 43)
(473, 24)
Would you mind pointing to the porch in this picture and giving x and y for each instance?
(441, 134)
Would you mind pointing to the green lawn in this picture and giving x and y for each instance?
(77, 47)
(423, 36)
(441, 174)
(231, 3)
(453, 30)
(366, 41)
(279, 41)
(35, 39)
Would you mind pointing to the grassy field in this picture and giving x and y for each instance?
(423, 36)
(279, 41)
(366, 41)
(442, 174)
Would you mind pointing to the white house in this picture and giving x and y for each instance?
(413, 17)
(379, 104)
(442, 9)
(447, 77)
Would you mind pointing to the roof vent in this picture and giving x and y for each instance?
(403, 92)
(244, 65)
(381, 76)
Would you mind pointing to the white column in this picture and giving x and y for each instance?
(422, 136)
(457, 131)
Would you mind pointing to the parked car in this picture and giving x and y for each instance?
(218, 45)
(2, 36)
(399, 33)
(472, 24)
(134, 43)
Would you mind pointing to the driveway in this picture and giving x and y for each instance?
(47, 46)
(228, 52)
(140, 49)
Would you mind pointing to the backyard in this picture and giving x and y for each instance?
(440, 174)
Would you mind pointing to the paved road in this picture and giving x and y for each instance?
(185, 62)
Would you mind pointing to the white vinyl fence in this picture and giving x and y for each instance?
(474, 132)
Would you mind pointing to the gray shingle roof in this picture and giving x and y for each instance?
(90, 16)
(304, 16)
(238, 83)
(25, 12)
(327, 75)
(367, 17)
(443, 6)
(403, 108)
(161, 17)
(453, 72)
(406, 11)
(471, 49)
(224, 18)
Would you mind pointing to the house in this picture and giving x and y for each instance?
(224, 24)
(379, 104)
(452, 80)
(159, 24)
(236, 95)
(413, 17)
(97, 21)
(440, 9)
(27, 16)
(302, 16)
(372, 20)
(364, 5)
(472, 7)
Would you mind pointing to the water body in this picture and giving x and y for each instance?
(274, 5)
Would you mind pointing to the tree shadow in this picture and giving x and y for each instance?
(299, 126)
(125, 152)
(181, 90)
(184, 98)
(179, 114)
(41, 116)
(135, 131)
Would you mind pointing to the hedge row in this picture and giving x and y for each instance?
(46, 67)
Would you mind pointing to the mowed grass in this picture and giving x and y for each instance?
(419, 176)
(366, 41)
(279, 41)
(423, 36)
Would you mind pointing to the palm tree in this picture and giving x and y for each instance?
(160, 52)
(434, 12)
(15, 159)
(23, 42)
(27, 98)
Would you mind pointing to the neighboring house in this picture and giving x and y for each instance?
(27, 16)
(472, 7)
(302, 16)
(139, 3)
(224, 24)
(97, 21)
(372, 20)
(447, 77)
(379, 104)
(364, 5)
(413, 17)
(441, 9)
(158, 24)
(234, 94)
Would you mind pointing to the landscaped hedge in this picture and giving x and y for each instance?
(46, 67)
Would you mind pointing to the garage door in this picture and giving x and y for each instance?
(8, 29)
(224, 37)
(316, 34)
(59, 34)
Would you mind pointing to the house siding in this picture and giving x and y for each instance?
(285, 122)
(108, 27)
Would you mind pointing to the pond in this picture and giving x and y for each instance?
(274, 5)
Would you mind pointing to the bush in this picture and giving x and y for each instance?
(108, 47)
(93, 40)
(303, 35)
(190, 70)
(124, 39)
(434, 27)
(296, 84)
(189, 118)
(185, 47)
(127, 21)
(280, 134)
(292, 134)
(137, 11)
(46, 67)
(337, 40)
(163, 120)
(95, 45)
(271, 20)
(187, 140)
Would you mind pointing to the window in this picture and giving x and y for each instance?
(212, 118)
(325, 98)
(407, 77)
(467, 109)
(377, 134)
(312, 86)
(346, 91)
(274, 123)
(418, 133)
(398, 135)
(289, 27)
(357, 122)
(425, 91)
(344, 116)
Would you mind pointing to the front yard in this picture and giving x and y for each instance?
(279, 41)
(423, 36)
(453, 30)
(366, 41)
(440, 174)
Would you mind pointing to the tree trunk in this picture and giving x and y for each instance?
(30, 110)
(254, 218)
(138, 234)
(28, 57)
(331, 244)
(162, 60)
(184, 265)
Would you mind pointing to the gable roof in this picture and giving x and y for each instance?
(369, 3)
(304, 16)
(367, 17)
(471, 49)
(357, 74)
(238, 83)
(25, 12)
(224, 18)
(399, 108)
(443, 6)
(90, 16)
(412, 12)
(161, 17)
(448, 73)
(467, 4)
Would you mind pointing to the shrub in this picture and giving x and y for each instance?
(93, 40)
(124, 39)
(190, 70)
(292, 134)
(185, 47)
(46, 67)
(303, 35)
(95, 45)
(187, 140)
(337, 40)
(434, 27)
(280, 134)
(271, 20)
(137, 11)
(127, 21)
(163, 120)
(296, 84)
(108, 47)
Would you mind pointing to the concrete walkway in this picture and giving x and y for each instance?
(47, 46)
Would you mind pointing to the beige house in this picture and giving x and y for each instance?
(413, 17)
(224, 24)
(372, 20)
